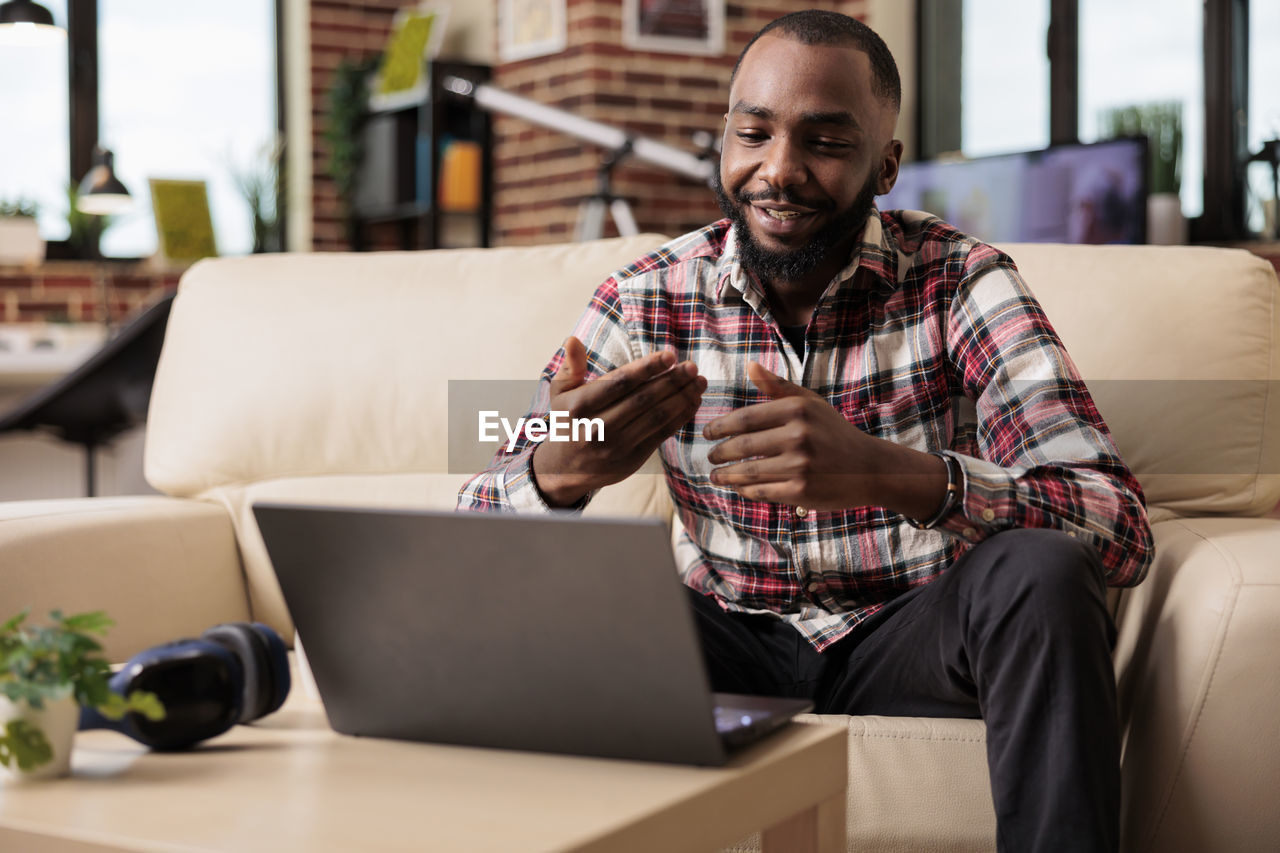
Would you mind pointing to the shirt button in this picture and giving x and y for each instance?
(801, 512)
(970, 534)
(988, 514)
(813, 586)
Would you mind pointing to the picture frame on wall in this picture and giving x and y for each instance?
(416, 36)
(530, 28)
(674, 26)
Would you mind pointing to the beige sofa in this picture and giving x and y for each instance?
(326, 378)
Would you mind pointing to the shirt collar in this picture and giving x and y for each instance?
(876, 252)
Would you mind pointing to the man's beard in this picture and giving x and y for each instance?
(794, 264)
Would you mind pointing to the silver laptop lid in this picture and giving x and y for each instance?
(549, 633)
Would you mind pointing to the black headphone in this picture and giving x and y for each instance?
(234, 673)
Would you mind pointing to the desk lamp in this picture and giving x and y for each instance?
(102, 194)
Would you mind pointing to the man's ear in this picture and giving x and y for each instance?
(889, 161)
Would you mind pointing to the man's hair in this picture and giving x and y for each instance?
(815, 26)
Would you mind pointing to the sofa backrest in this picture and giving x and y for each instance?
(326, 377)
(1180, 348)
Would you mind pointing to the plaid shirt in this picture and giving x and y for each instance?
(929, 339)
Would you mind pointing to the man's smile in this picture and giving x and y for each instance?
(782, 219)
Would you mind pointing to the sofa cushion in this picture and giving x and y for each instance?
(1180, 347)
(317, 364)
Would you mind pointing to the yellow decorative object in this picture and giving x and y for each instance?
(184, 228)
(415, 37)
(460, 177)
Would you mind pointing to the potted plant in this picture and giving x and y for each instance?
(1161, 123)
(46, 674)
(262, 186)
(20, 241)
(348, 111)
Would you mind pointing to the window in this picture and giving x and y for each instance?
(34, 147)
(187, 90)
(1136, 52)
(184, 91)
(1003, 52)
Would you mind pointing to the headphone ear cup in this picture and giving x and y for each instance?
(266, 665)
(241, 640)
(279, 679)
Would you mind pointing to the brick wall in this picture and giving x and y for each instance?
(339, 30)
(541, 176)
(78, 292)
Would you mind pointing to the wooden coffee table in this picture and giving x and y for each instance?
(289, 783)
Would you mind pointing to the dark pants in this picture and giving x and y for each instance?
(1017, 633)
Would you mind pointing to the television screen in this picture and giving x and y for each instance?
(1094, 193)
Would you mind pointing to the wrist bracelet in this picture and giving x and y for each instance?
(949, 500)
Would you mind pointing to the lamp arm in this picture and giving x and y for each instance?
(597, 133)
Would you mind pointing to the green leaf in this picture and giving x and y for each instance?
(26, 744)
(95, 622)
(12, 625)
(147, 704)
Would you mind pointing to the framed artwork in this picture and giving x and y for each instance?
(416, 35)
(184, 228)
(674, 26)
(529, 28)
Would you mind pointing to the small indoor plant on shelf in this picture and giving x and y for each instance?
(46, 674)
(20, 240)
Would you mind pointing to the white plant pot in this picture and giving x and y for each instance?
(20, 241)
(1166, 226)
(58, 719)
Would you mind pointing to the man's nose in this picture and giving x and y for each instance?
(783, 164)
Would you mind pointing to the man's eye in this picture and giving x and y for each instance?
(831, 145)
(750, 135)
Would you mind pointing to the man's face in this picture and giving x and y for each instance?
(807, 147)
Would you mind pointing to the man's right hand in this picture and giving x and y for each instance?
(641, 403)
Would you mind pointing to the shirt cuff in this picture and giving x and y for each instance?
(988, 500)
(523, 494)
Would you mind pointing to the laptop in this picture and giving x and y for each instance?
(550, 633)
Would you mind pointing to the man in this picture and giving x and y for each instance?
(897, 496)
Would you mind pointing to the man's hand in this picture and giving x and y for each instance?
(797, 449)
(641, 403)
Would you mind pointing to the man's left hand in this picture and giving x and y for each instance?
(795, 449)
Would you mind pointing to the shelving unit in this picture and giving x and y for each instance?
(401, 176)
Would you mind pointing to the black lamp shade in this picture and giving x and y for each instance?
(25, 12)
(101, 192)
(23, 22)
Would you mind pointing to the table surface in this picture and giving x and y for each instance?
(288, 782)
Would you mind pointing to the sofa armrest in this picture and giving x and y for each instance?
(1199, 685)
(162, 567)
